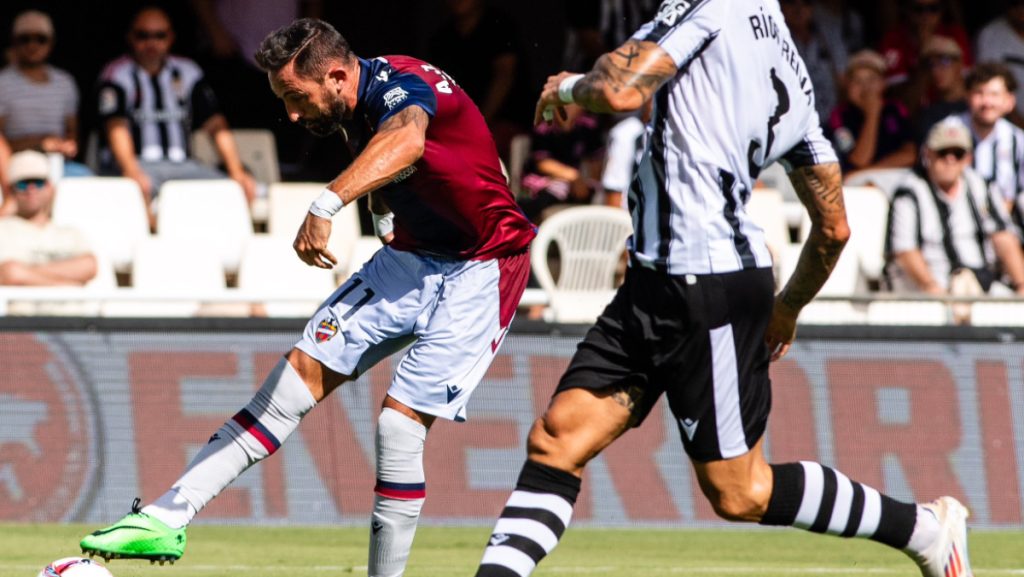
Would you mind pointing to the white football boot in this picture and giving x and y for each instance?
(947, 555)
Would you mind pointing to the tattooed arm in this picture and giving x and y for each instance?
(398, 143)
(820, 190)
(621, 81)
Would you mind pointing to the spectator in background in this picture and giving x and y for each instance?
(150, 102)
(901, 45)
(33, 250)
(478, 46)
(7, 205)
(824, 56)
(836, 19)
(869, 130)
(943, 92)
(38, 102)
(998, 144)
(949, 232)
(597, 26)
(561, 166)
(1002, 40)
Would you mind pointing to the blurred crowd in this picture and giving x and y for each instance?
(919, 97)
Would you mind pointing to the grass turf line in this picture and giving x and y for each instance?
(448, 552)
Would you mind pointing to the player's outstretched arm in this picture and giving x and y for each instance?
(621, 81)
(820, 188)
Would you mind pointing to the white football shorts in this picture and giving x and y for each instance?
(453, 313)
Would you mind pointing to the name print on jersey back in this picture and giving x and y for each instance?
(763, 27)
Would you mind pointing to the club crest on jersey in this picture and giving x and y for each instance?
(326, 330)
(395, 96)
(672, 10)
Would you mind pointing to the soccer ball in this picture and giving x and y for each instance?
(74, 567)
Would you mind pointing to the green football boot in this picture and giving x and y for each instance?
(136, 536)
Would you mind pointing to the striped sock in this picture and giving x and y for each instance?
(253, 434)
(534, 518)
(819, 499)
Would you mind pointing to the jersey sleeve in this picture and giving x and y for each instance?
(813, 149)
(204, 103)
(995, 218)
(111, 101)
(398, 93)
(680, 30)
(903, 225)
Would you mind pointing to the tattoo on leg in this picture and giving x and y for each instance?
(629, 397)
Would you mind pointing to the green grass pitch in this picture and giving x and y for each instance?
(452, 552)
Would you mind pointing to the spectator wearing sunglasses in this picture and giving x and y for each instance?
(943, 91)
(1002, 40)
(33, 250)
(38, 102)
(948, 231)
(149, 103)
(902, 45)
(998, 144)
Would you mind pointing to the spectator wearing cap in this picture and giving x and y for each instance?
(33, 250)
(1002, 40)
(946, 223)
(998, 144)
(39, 102)
(868, 130)
(942, 92)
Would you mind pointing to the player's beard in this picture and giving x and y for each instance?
(327, 123)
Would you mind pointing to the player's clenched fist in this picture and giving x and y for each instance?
(311, 242)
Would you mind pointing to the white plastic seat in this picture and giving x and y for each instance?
(256, 149)
(867, 213)
(288, 204)
(885, 179)
(293, 288)
(590, 242)
(110, 213)
(178, 267)
(213, 212)
(997, 314)
(844, 281)
(364, 249)
(908, 313)
(767, 209)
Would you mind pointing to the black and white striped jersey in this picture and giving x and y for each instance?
(162, 109)
(741, 100)
(999, 157)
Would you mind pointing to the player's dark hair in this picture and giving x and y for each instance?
(313, 44)
(985, 71)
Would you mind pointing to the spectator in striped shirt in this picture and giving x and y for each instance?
(38, 102)
(998, 144)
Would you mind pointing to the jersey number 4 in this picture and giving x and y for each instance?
(445, 85)
(782, 107)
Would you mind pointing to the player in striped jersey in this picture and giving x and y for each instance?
(695, 318)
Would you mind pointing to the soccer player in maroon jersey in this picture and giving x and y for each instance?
(447, 284)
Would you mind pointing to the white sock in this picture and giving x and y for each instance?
(253, 434)
(926, 530)
(400, 492)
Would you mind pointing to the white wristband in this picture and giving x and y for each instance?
(327, 204)
(383, 224)
(565, 88)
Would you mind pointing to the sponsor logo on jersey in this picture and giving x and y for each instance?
(376, 526)
(383, 76)
(671, 11)
(453, 392)
(108, 100)
(394, 97)
(689, 427)
(326, 330)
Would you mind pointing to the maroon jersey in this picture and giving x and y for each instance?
(453, 201)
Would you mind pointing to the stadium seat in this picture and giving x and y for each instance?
(908, 313)
(767, 209)
(590, 242)
(213, 212)
(885, 179)
(174, 266)
(845, 281)
(256, 148)
(294, 289)
(997, 314)
(110, 212)
(288, 204)
(867, 212)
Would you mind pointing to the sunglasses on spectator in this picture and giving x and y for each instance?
(927, 8)
(957, 153)
(942, 60)
(32, 38)
(23, 185)
(143, 35)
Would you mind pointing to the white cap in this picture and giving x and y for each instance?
(28, 164)
(31, 21)
(950, 132)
